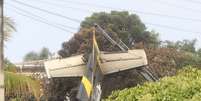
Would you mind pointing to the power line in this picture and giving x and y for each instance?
(164, 26)
(66, 6)
(102, 6)
(170, 27)
(173, 28)
(135, 11)
(39, 20)
(158, 25)
(34, 15)
(176, 5)
(43, 10)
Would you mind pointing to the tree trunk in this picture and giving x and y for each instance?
(1, 53)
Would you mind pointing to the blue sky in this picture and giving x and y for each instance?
(32, 35)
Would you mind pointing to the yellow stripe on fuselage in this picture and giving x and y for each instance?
(87, 84)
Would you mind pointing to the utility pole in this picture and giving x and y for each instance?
(1, 53)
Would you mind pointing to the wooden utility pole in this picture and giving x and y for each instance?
(1, 53)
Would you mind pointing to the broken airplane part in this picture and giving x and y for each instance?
(74, 66)
(110, 63)
(100, 63)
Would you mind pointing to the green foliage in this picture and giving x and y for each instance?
(191, 59)
(128, 27)
(199, 52)
(185, 86)
(31, 56)
(122, 23)
(8, 66)
(166, 61)
(185, 45)
(43, 54)
(19, 87)
(8, 28)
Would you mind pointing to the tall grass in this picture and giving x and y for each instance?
(21, 87)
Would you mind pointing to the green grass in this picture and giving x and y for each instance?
(19, 86)
(185, 86)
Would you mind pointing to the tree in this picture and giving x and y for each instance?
(184, 45)
(188, 45)
(121, 23)
(128, 27)
(199, 52)
(43, 54)
(1, 53)
(31, 56)
(7, 27)
(8, 66)
(15, 85)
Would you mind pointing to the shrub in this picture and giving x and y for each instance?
(185, 86)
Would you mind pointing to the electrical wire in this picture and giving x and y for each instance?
(39, 20)
(46, 11)
(134, 11)
(166, 26)
(34, 15)
(163, 2)
(63, 6)
(76, 20)
(173, 28)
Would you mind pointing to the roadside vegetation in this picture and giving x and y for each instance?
(19, 87)
(185, 86)
(165, 58)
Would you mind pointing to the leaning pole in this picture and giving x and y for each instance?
(1, 53)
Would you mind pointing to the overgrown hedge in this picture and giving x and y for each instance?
(185, 86)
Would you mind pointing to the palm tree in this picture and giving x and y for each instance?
(1, 53)
(17, 86)
(7, 27)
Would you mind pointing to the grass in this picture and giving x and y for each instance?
(20, 86)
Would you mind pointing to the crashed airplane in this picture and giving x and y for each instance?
(99, 63)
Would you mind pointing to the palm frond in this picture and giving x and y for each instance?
(9, 27)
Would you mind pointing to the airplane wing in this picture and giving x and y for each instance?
(110, 63)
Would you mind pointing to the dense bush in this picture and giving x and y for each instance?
(166, 61)
(185, 86)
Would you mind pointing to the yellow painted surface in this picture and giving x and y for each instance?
(87, 84)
